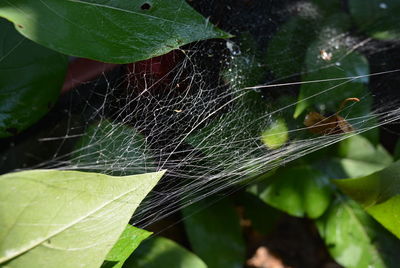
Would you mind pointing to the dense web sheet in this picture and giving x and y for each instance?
(218, 114)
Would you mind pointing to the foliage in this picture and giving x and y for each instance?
(54, 218)
(24, 66)
(109, 30)
(39, 233)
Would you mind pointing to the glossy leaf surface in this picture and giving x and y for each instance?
(379, 194)
(31, 77)
(299, 191)
(354, 239)
(356, 156)
(329, 58)
(115, 31)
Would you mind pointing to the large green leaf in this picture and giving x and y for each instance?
(355, 240)
(299, 191)
(113, 149)
(214, 233)
(380, 19)
(31, 77)
(294, 36)
(159, 252)
(339, 62)
(51, 218)
(116, 31)
(356, 156)
(379, 194)
(126, 244)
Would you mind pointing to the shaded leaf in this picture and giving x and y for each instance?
(359, 148)
(330, 58)
(214, 233)
(129, 240)
(115, 31)
(248, 115)
(52, 218)
(356, 156)
(379, 194)
(294, 36)
(245, 69)
(159, 252)
(30, 80)
(114, 149)
(299, 191)
(354, 239)
(377, 18)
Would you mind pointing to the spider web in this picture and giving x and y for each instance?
(217, 116)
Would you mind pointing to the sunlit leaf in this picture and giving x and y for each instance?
(31, 77)
(379, 194)
(356, 157)
(51, 218)
(126, 244)
(299, 191)
(116, 31)
(354, 239)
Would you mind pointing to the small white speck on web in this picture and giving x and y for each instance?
(233, 48)
(383, 5)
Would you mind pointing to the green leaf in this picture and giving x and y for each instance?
(215, 234)
(294, 36)
(276, 135)
(116, 31)
(326, 97)
(248, 115)
(245, 69)
(377, 18)
(52, 218)
(31, 77)
(129, 240)
(379, 194)
(355, 240)
(159, 252)
(356, 156)
(114, 149)
(299, 191)
(359, 148)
